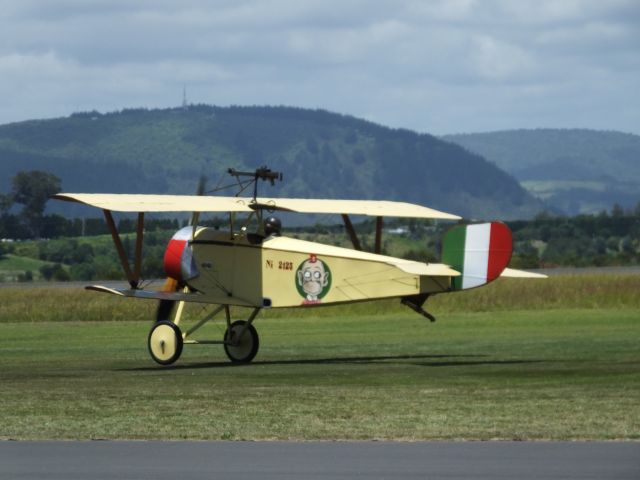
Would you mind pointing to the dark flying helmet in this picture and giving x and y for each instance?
(272, 226)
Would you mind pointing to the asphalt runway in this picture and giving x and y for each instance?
(319, 460)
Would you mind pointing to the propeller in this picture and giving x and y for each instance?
(171, 285)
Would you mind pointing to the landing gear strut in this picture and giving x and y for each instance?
(166, 340)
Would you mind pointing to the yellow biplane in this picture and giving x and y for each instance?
(263, 269)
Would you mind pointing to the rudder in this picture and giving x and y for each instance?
(480, 252)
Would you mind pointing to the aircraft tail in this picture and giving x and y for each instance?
(479, 252)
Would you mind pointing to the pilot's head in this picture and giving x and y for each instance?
(272, 226)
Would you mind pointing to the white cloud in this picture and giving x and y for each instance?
(496, 60)
(439, 66)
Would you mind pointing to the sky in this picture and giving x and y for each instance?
(433, 66)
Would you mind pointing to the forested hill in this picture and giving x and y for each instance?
(321, 154)
(578, 171)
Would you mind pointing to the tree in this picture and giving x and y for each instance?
(617, 211)
(5, 204)
(32, 189)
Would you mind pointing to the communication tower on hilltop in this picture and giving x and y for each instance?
(185, 105)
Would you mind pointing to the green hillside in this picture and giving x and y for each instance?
(321, 154)
(577, 171)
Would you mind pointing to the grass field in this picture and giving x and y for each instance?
(11, 266)
(553, 359)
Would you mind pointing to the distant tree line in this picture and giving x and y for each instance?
(31, 190)
(608, 238)
(80, 248)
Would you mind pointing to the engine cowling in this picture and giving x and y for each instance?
(179, 262)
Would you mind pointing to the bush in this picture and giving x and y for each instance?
(25, 277)
(61, 275)
(54, 272)
(83, 271)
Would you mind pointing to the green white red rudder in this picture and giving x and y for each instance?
(479, 252)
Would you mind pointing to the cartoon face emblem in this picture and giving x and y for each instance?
(313, 280)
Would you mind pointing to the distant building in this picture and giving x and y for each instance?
(397, 231)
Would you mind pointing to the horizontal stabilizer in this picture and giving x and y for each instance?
(428, 269)
(513, 273)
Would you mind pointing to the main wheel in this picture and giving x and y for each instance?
(245, 348)
(165, 342)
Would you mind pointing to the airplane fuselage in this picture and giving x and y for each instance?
(280, 271)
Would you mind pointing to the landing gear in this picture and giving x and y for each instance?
(241, 342)
(165, 342)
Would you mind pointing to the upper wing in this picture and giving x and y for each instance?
(372, 208)
(156, 203)
(194, 203)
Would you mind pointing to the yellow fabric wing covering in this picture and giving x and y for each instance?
(156, 203)
(193, 203)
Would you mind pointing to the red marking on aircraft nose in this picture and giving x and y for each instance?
(172, 258)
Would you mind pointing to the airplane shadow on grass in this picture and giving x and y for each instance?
(413, 360)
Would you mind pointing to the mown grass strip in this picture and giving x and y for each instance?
(561, 374)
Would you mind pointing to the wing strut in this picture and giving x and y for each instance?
(139, 239)
(379, 223)
(354, 237)
(351, 231)
(132, 276)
